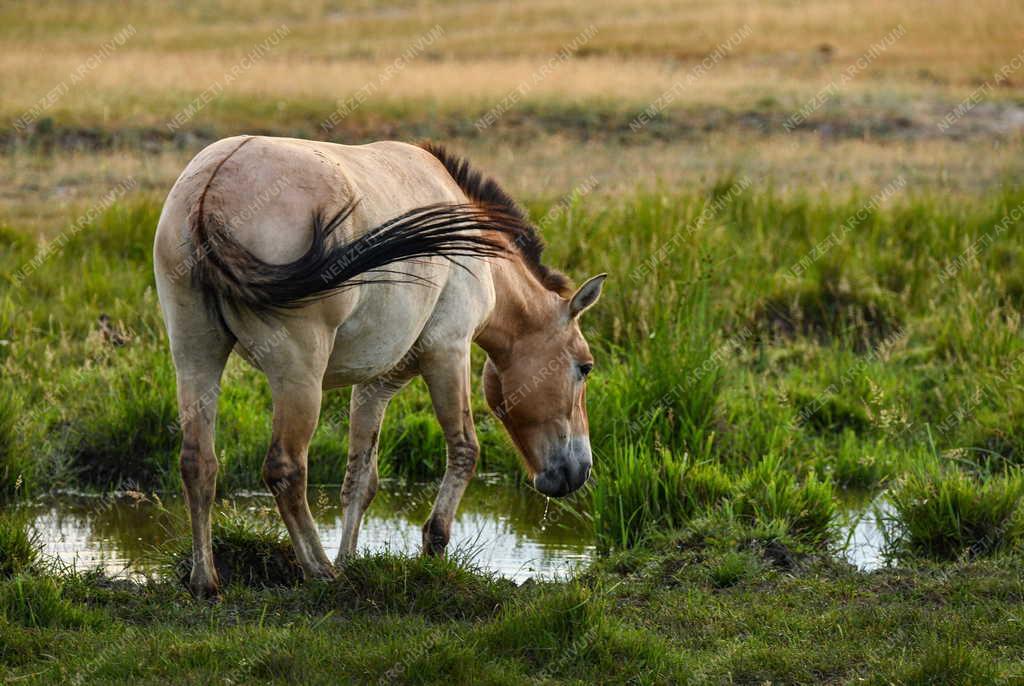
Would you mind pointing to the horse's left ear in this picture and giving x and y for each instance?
(586, 295)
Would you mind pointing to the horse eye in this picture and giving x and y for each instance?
(585, 368)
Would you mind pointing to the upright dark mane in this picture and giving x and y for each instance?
(486, 191)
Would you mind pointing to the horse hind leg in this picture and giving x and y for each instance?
(200, 348)
(296, 377)
(366, 414)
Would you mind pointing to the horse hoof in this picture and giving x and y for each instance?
(435, 539)
(205, 591)
(324, 572)
(434, 548)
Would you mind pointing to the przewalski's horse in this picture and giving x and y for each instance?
(328, 265)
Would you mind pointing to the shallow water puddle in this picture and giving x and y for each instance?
(861, 534)
(502, 527)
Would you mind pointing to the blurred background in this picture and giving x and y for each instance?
(544, 93)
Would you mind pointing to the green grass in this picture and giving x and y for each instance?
(15, 467)
(38, 602)
(435, 587)
(732, 568)
(18, 551)
(640, 494)
(637, 492)
(946, 513)
(247, 552)
(949, 663)
(705, 605)
(769, 492)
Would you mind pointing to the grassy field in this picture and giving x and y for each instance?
(816, 294)
(708, 605)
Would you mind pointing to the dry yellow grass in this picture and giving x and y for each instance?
(959, 35)
(171, 79)
(641, 48)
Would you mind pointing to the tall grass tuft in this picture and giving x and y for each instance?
(949, 663)
(769, 491)
(126, 427)
(664, 388)
(945, 513)
(39, 602)
(15, 467)
(856, 464)
(639, 490)
(440, 587)
(19, 552)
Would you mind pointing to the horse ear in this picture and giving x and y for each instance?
(586, 295)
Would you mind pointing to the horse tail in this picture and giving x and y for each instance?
(225, 269)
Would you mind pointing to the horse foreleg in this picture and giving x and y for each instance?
(366, 413)
(447, 377)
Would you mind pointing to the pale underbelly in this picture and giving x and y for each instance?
(369, 345)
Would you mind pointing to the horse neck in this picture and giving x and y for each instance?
(521, 305)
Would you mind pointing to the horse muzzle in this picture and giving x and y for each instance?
(566, 471)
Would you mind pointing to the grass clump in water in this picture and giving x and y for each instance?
(856, 465)
(640, 492)
(769, 491)
(245, 552)
(19, 552)
(946, 513)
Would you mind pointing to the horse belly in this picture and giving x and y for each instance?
(379, 333)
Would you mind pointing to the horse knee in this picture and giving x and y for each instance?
(463, 455)
(282, 471)
(360, 478)
(196, 466)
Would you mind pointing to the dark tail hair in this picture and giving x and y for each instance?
(221, 266)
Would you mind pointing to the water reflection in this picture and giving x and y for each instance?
(862, 532)
(508, 529)
(505, 528)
